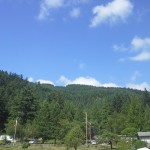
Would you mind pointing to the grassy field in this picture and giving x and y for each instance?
(50, 147)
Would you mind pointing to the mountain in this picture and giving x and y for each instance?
(112, 109)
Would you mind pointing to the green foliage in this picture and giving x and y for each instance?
(25, 145)
(131, 131)
(117, 103)
(116, 123)
(42, 122)
(3, 109)
(2, 142)
(24, 106)
(146, 98)
(139, 144)
(124, 145)
(75, 137)
(109, 136)
(50, 112)
(135, 114)
(146, 124)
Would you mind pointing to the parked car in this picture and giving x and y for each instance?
(93, 142)
(33, 141)
(7, 138)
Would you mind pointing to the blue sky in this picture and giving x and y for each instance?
(93, 42)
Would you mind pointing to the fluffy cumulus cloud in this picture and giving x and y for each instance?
(142, 47)
(117, 10)
(140, 44)
(75, 12)
(141, 56)
(80, 80)
(110, 85)
(30, 79)
(41, 81)
(140, 86)
(120, 48)
(93, 82)
(139, 48)
(47, 5)
(85, 81)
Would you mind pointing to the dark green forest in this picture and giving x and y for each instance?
(52, 112)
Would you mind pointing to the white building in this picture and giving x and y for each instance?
(144, 136)
(6, 137)
(144, 148)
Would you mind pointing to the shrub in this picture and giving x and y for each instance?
(25, 145)
(124, 145)
(139, 144)
(2, 142)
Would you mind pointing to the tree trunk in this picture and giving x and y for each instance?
(75, 147)
(43, 140)
(111, 145)
(110, 142)
(55, 141)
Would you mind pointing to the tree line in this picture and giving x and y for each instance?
(57, 113)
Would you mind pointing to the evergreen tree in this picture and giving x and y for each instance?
(24, 106)
(43, 122)
(135, 114)
(75, 137)
(146, 98)
(3, 110)
(116, 123)
(146, 122)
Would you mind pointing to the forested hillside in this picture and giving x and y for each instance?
(50, 112)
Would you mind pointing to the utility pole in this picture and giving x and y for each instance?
(86, 122)
(16, 122)
(90, 132)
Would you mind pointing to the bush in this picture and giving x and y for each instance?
(2, 142)
(25, 145)
(121, 145)
(139, 144)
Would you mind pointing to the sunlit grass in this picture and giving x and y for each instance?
(51, 147)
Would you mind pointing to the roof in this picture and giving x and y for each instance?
(143, 133)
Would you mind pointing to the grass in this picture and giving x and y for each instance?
(50, 147)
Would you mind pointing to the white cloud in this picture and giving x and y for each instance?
(141, 86)
(117, 10)
(109, 85)
(135, 75)
(75, 12)
(47, 5)
(139, 44)
(93, 82)
(120, 48)
(80, 80)
(45, 81)
(143, 56)
(140, 47)
(85, 81)
(30, 79)
(64, 80)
